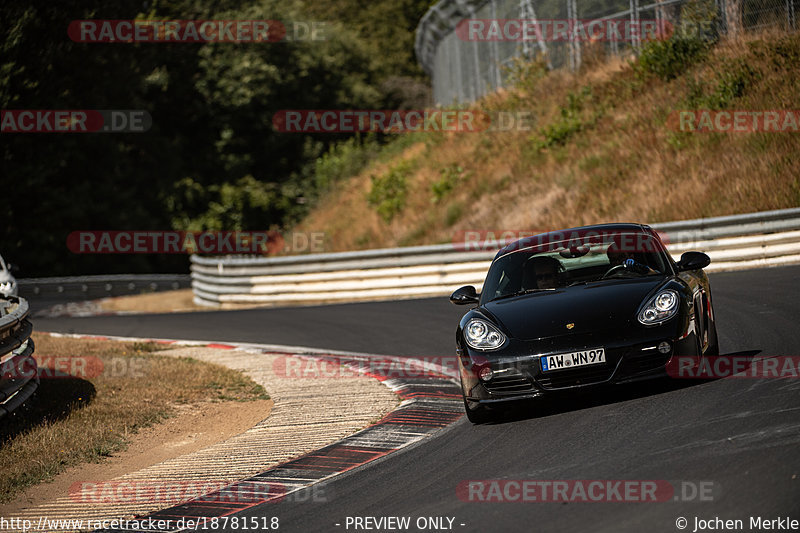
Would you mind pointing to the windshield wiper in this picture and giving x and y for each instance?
(519, 293)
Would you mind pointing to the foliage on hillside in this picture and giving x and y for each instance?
(604, 148)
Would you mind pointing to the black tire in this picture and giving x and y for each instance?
(479, 414)
(713, 342)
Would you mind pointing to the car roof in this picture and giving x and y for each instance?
(572, 233)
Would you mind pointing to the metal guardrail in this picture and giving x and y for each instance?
(733, 242)
(19, 377)
(93, 287)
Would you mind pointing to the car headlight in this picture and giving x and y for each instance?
(6, 286)
(482, 335)
(660, 308)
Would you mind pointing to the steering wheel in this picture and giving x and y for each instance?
(613, 270)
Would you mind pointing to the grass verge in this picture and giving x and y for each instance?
(107, 393)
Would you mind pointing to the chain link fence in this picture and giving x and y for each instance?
(468, 46)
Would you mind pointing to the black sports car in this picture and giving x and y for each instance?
(579, 308)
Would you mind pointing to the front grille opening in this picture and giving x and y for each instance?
(510, 382)
(649, 360)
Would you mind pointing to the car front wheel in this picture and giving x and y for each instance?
(477, 413)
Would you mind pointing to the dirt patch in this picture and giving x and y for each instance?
(196, 427)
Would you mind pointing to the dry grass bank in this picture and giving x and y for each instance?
(601, 149)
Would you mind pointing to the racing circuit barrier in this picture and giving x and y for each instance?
(19, 374)
(753, 240)
(91, 287)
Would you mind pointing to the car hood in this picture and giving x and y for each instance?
(592, 307)
(5, 276)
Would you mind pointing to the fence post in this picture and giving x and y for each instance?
(495, 67)
(634, 25)
(574, 43)
(476, 56)
(669, 15)
(527, 12)
(459, 57)
(571, 51)
(523, 15)
(733, 17)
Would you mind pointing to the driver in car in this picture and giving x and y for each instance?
(542, 272)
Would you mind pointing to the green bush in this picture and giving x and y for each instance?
(671, 57)
(450, 178)
(343, 160)
(570, 122)
(525, 73)
(389, 191)
(732, 82)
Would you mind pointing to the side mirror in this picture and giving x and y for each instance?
(464, 296)
(693, 261)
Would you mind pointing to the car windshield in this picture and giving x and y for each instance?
(576, 261)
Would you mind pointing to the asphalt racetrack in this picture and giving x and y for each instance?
(736, 439)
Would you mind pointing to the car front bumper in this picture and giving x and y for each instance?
(517, 371)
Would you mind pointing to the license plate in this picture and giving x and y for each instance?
(562, 361)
